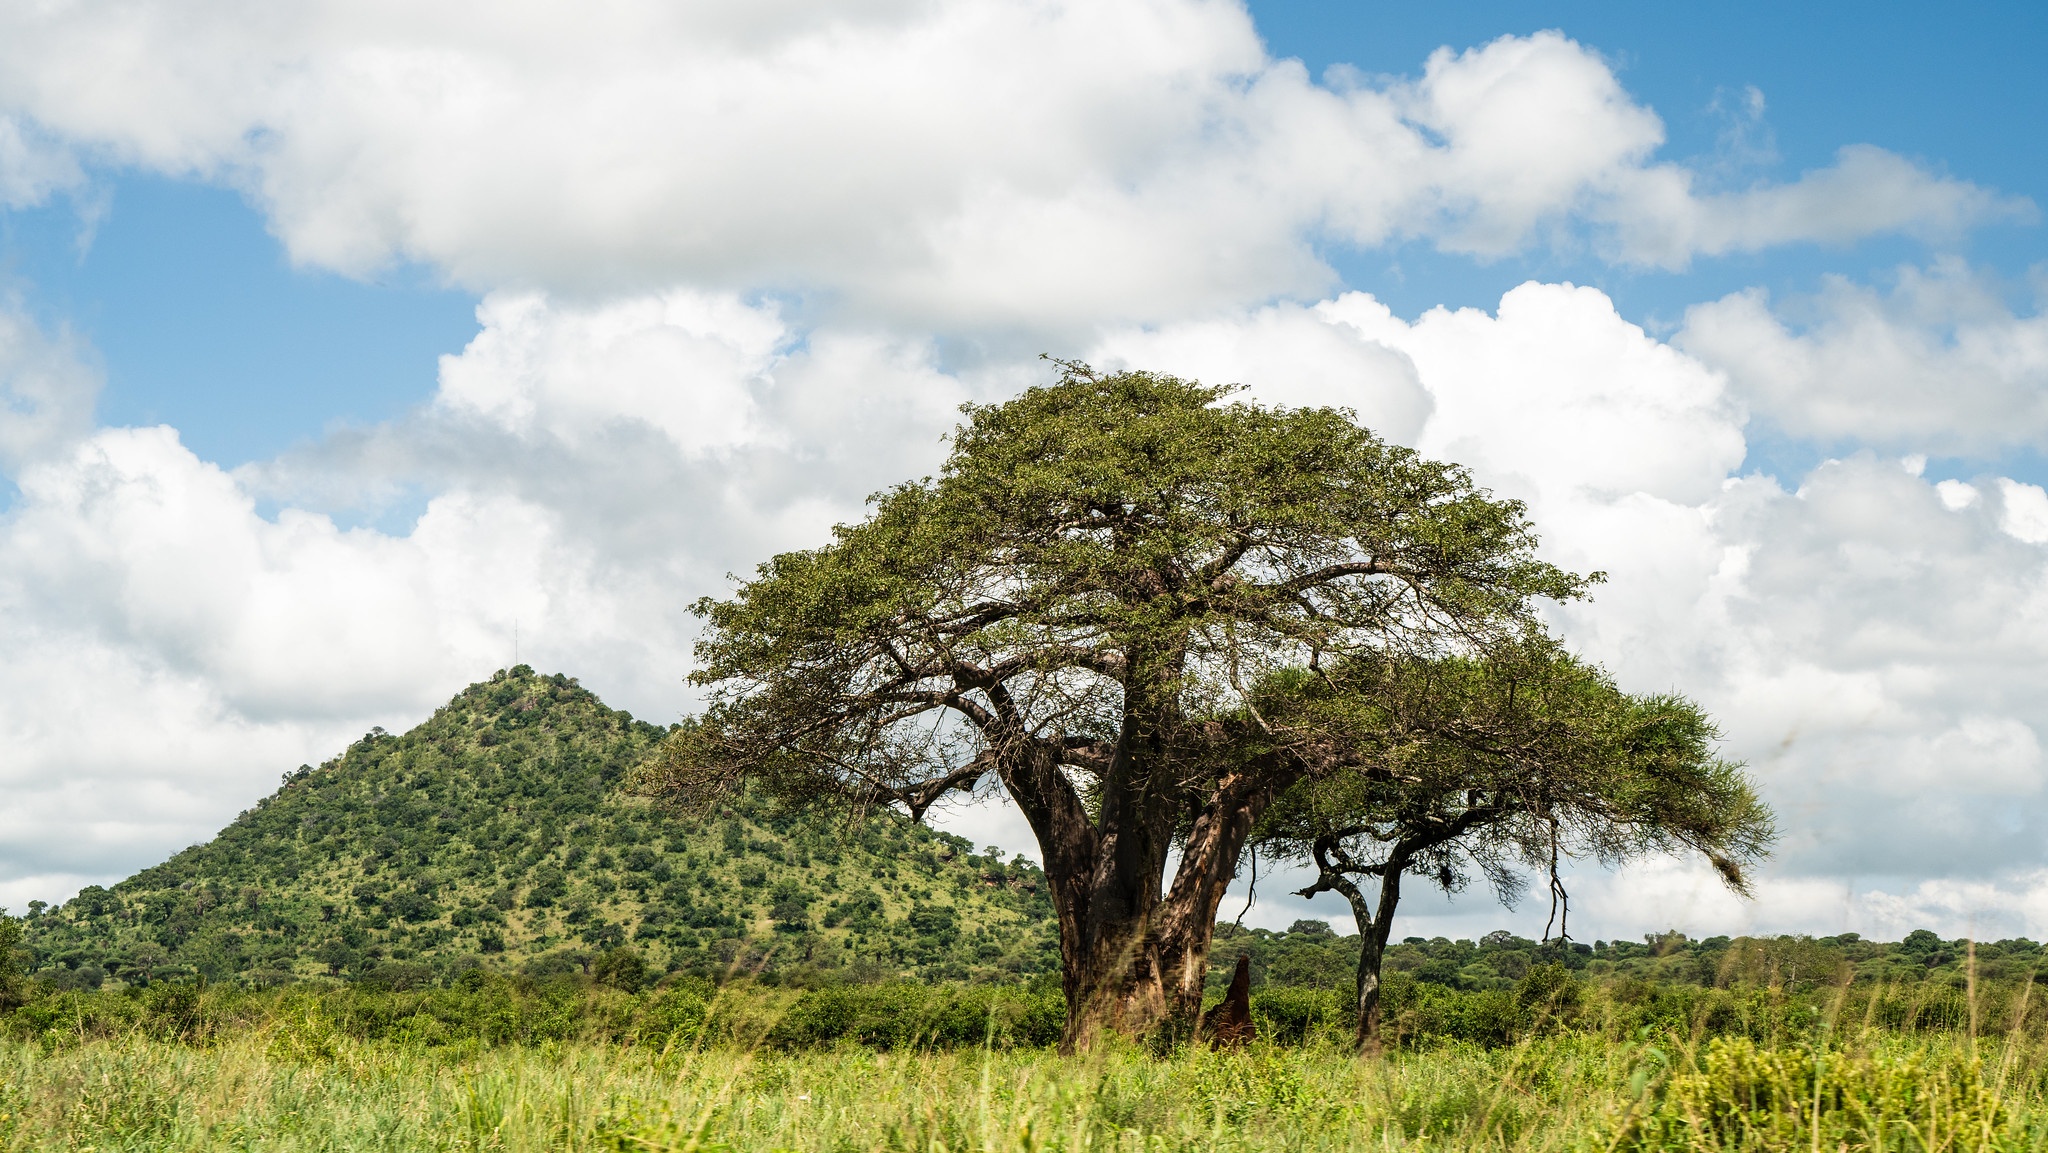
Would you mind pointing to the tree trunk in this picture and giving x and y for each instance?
(1375, 921)
(1372, 949)
(1131, 958)
(1208, 863)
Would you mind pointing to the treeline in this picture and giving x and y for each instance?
(1310, 955)
(482, 1010)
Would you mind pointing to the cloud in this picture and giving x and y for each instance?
(47, 389)
(685, 364)
(2025, 510)
(1658, 219)
(1940, 364)
(33, 166)
(1878, 660)
(1286, 354)
(989, 164)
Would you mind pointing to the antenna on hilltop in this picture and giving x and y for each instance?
(515, 643)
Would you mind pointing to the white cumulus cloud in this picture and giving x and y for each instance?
(1939, 364)
(982, 162)
(47, 389)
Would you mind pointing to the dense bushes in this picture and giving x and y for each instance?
(915, 1016)
(482, 1011)
(479, 1010)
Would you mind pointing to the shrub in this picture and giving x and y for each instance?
(1744, 1095)
(898, 1016)
(1289, 1016)
(621, 968)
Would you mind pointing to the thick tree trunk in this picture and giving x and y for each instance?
(1208, 864)
(1132, 958)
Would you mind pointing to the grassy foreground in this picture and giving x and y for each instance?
(288, 1087)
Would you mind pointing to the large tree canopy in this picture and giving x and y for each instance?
(1074, 609)
(1500, 763)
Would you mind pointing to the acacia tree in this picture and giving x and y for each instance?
(1069, 612)
(1496, 763)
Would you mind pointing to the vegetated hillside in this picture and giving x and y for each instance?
(496, 835)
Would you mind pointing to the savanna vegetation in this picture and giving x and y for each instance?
(497, 835)
(173, 1011)
(1668, 1044)
(1178, 631)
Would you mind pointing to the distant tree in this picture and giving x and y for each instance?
(1496, 764)
(621, 968)
(144, 961)
(1069, 610)
(13, 973)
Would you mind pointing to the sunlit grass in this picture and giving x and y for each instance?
(270, 1089)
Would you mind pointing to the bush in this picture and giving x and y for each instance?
(674, 1017)
(898, 1016)
(1292, 1016)
(1744, 1095)
(13, 980)
(621, 968)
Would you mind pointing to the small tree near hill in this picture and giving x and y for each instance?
(1510, 761)
(1071, 611)
(13, 973)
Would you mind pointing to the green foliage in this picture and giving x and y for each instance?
(1502, 761)
(1739, 1095)
(496, 835)
(1110, 536)
(13, 977)
(888, 1017)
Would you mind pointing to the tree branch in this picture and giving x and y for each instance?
(1328, 573)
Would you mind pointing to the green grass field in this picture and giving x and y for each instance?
(1554, 1093)
(291, 1073)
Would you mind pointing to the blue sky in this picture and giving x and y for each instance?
(1958, 86)
(337, 347)
(202, 323)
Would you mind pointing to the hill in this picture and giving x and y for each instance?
(496, 835)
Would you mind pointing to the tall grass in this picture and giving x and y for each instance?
(509, 1067)
(281, 1087)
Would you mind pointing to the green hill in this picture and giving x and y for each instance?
(496, 834)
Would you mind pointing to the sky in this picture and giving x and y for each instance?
(346, 346)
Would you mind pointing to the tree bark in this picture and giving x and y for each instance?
(1208, 863)
(1375, 921)
(1132, 959)
(1372, 950)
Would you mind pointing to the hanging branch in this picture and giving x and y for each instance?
(1251, 894)
(1560, 901)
